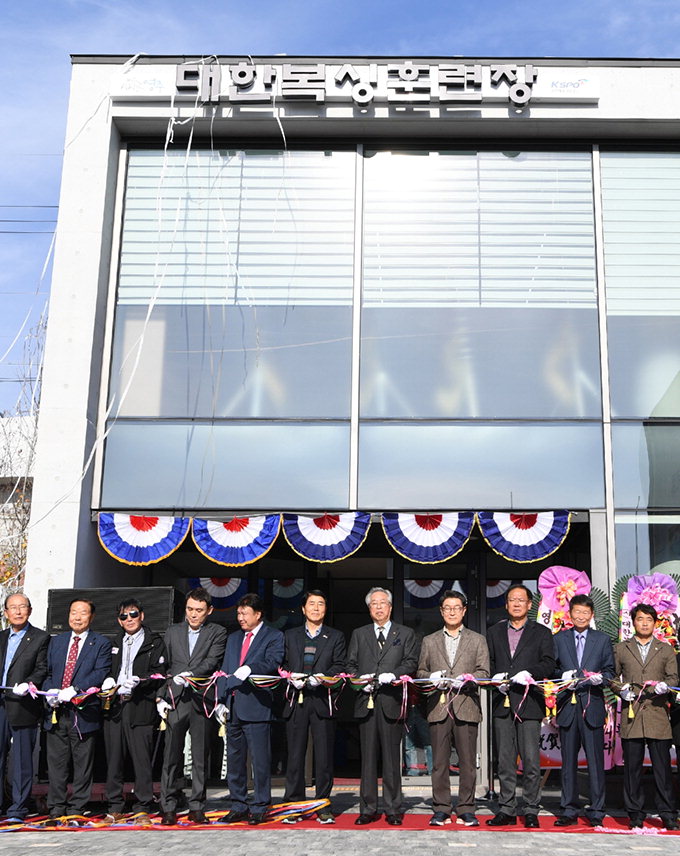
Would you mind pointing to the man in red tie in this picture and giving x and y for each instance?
(76, 661)
(257, 650)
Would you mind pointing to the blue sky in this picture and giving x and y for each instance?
(36, 39)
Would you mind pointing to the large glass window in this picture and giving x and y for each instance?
(646, 542)
(646, 465)
(641, 210)
(420, 465)
(479, 286)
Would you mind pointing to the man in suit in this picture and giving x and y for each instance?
(77, 660)
(520, 650)
(383, 651)
(194, 649)
(258, 650)
(312, 650)
(130, 716)
(637, 661)
(581, 711)
(452, 652)
(23, 655)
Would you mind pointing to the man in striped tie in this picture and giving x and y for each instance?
(76, 661)
(256, 650)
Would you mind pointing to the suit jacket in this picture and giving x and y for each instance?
(203, 662)
(329, 660)
(399, 655)
(472, 657)
(265, 655)
(151, 659)
(535, 654)
(29, 664)
(598, 656)
(92, 666)
(651, 712)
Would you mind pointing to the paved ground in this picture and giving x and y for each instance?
(329, 841)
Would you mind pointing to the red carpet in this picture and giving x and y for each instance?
(615, 825)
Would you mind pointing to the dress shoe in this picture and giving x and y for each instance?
(363, 819)
(566, 820)
(114, 817)
(255, 818)
(502, 819)
(169, 818)
(142, 819)
(636, 824)
(393, 819)
(325, 816)
(596, 821)
(235, 817)
(53, 821)
(197, 816)
(671, 824)
(530, 821)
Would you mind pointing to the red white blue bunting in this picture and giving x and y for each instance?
(524, 537)
(422, 594)
(288, 593)
(238, 541)
(428, 538)
(327, 538)
(137, 540)
(224, 591)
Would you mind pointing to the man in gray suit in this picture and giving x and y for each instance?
(194, 649)
(384, 651)
(453, 652)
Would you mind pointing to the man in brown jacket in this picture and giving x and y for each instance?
(455, 712)
(647, 667)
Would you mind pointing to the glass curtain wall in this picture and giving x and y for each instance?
(641, 211)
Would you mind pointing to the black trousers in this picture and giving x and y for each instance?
(633, 794)
(64, 744)
(380, 740)
(185, 717)
(304, 718)
(123, 740)
(21, 773)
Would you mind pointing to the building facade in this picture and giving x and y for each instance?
(327, 284)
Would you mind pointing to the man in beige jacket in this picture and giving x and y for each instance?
(454, 711)
(647, 667)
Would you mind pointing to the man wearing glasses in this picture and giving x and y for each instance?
(23, 653)
(130, 716)
(521, 652)
(455, 712)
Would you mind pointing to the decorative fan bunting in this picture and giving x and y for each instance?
(224, 591)
(524, 537)
(238, 541)
(287, 593)
(327, 538)
(428, 538)
(495, 593)
(138, 540)
(422, 594)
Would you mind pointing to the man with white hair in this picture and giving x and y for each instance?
(381, 651)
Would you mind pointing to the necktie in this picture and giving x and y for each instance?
(70, 667)
(580, 642)
(244, 647)
(127, 667)
(381, 638)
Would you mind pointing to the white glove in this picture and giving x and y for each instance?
(660, 687)
(66, 695)
(128, 685)
(20, 689)
(108, 684)
(503, 688)
(500, 676)
(369, 687)
(569, 675)
(627, 693)
(386, 678)
(522, 678)
(298, 683)
(313, 681)
(435, 677)
(221, 711)
(181, 679)
(595, 679)
(457, 683)
(163, 707)
(52, 700)
(242, 673)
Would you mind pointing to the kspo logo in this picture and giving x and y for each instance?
(569, 84)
